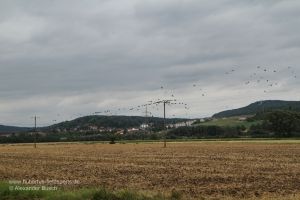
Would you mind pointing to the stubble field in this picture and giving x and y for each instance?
(197, 170)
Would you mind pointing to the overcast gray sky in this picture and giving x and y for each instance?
(60, 59)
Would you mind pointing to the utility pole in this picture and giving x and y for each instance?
(165, 136)
(35, 131)
(147, 116)
(165, 102)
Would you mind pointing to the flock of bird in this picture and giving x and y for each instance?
(266, 78)
(144, 108)
(263, 78)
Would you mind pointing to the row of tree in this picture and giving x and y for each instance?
(76, 136)
(280, 123)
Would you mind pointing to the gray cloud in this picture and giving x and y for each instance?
(60, 58)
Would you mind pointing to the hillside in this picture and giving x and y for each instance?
(83, 123)
(229, 122)
(260, 106)
(12, 129)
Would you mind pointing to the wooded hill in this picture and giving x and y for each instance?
(12, 129)
(83, 123)
(260, 106)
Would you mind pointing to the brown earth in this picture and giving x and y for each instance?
(196, 169)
